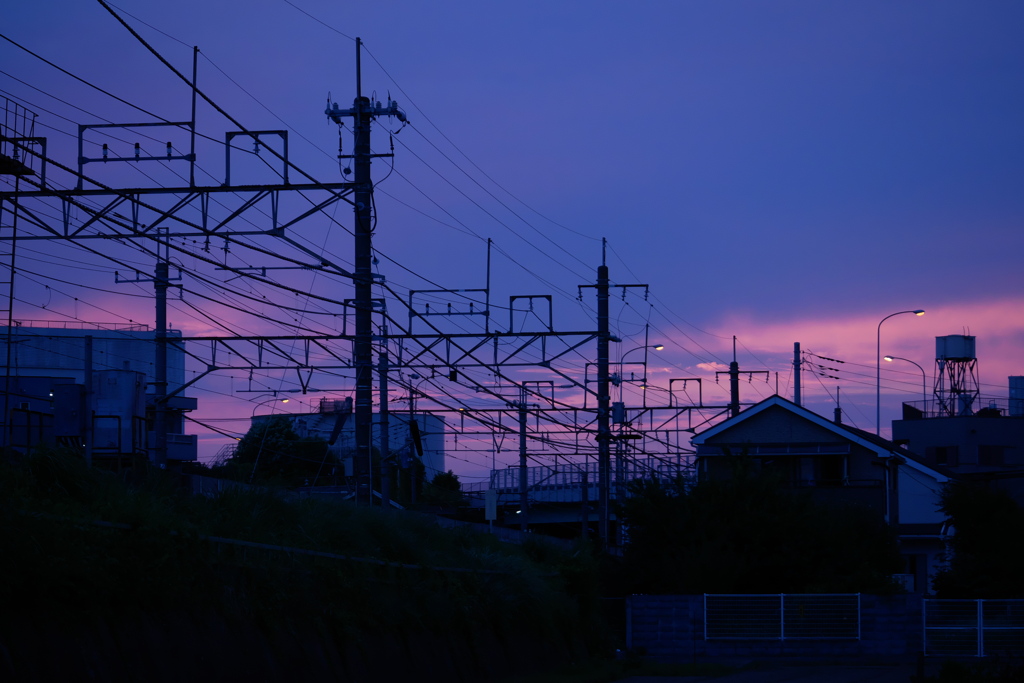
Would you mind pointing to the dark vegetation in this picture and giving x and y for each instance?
(444, 490)
(748, 534)
(407, 581)
(272, 453)
(83, 547)
(987, 559)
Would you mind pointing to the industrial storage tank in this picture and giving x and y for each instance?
(958, 347)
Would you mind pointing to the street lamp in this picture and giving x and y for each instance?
(878, 367)
(619, 413)
(924, 380)
(265, 428)
(622, 360)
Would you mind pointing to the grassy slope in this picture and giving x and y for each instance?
(74, 569)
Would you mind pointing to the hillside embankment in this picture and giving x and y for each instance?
(108, 576)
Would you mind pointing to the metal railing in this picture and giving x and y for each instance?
(82, 325)
(981, 406)
(781, 616)
(567, 482)
(973, 628)
(572, 474)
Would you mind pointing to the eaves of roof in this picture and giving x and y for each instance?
(882, 447)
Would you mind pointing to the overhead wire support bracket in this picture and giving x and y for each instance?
(106, 158)
(255, 135)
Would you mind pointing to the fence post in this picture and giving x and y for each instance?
(924, 626)
(859, 613)
(629, 624)
(981, 628)
(782, 616)
(705, 616)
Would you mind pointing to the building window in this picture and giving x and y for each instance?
(942, 455)
(778, 467)
(830, 470)
(990, 455)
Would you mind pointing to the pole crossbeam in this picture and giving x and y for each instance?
(145, 217)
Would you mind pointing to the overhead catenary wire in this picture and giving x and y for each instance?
(261, 284)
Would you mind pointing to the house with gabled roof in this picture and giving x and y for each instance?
(838, 464)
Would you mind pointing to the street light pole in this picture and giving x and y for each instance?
(622, 361)
(924, 380)
(259, 452)
(619, 417)
(878, 367)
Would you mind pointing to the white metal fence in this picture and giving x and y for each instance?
(973, 628)
(782, 616)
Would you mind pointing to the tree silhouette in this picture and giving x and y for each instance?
(749, 534)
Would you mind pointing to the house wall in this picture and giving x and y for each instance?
(923, 557)
(776, 425)
(855, 476)
(805, 451)
(918, 497)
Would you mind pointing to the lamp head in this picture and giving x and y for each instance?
(919, 312)
(658, 347)
(888, 358)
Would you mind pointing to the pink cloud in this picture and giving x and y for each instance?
(767, 344)
(997, 324)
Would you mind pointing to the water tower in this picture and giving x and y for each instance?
(956, 375)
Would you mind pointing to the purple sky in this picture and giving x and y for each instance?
(780, 171)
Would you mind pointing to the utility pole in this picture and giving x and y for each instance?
(362, 352)
(585, 504)
(90, 398)
(604, 434)
(363, 112)
(385, 440)
(734, 383)
(797, 366)
(161, 282)
(734, 380)
(524, 522)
